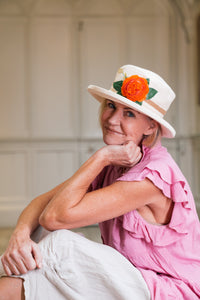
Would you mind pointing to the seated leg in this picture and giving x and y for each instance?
(11, 288)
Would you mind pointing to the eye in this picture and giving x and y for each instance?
(130, 114)
(111, 105)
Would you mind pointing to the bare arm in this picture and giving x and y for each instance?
(29, 218)
(74, 207)
(22, 254)
(53, 210)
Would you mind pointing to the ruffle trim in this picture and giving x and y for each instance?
(182, 216)
(158, 235)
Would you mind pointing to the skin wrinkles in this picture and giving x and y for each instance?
(121, 124)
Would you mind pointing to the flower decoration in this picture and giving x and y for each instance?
(135, 88)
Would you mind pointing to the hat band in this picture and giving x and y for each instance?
(153, 104)
(157, 107)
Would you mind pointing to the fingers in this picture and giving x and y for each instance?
(126, 155)
(9, 266)
(138, 157)
(22, 260)
(6, 269)
(133, 153)
(37, 255)
(15, 264)
(27, 259)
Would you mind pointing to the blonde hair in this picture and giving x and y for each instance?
(150, 140)
(101, 109)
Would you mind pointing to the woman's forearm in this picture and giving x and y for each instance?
(59, 211)
(56, 212)
(22, 254)
(29, 218)
(75, 187)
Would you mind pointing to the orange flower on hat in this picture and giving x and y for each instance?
(135, 88)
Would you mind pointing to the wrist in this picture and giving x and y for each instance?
(103, 156)
(22, 230)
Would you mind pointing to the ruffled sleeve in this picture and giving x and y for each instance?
(160, 168)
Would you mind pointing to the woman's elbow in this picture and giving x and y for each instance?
(47, 221)
(51, 221)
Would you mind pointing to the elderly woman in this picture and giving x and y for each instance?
(137, 194)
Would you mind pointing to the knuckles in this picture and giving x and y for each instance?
(31, 265)
(126, 155)
(132, 154)
(12, 258)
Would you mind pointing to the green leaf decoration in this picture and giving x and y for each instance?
(140, 103)
(117, 86)
(151, 93)
(148, 80)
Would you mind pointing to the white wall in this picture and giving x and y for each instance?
(50, 51)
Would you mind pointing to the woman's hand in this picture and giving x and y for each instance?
(126, 155)
(21, 255)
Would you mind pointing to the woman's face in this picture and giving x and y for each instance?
(121, 124)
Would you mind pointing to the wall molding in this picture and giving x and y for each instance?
(59, 155)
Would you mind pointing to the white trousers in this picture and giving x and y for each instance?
(76, 268)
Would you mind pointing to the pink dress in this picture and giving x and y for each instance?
(168, 256)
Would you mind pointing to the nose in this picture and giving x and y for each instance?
(115, 117)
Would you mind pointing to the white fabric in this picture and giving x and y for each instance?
(76, 268)
(2, 272)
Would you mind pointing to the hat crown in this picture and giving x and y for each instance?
(142, 90)
(164, 95)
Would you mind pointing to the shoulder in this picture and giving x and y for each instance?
(159, 167)
(156, 157)
(155, 160)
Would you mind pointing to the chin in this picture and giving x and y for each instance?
(113, 141)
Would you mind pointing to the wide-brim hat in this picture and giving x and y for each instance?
(142, 90)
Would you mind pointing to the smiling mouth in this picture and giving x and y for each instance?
(113, 131)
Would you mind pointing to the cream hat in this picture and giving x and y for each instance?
(142, 90)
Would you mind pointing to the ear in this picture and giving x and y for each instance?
(153, 126)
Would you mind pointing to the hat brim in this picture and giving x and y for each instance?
(101, 94)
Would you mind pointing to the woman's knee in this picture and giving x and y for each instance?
(57, 240)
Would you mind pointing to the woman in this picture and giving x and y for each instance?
(137, 194)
